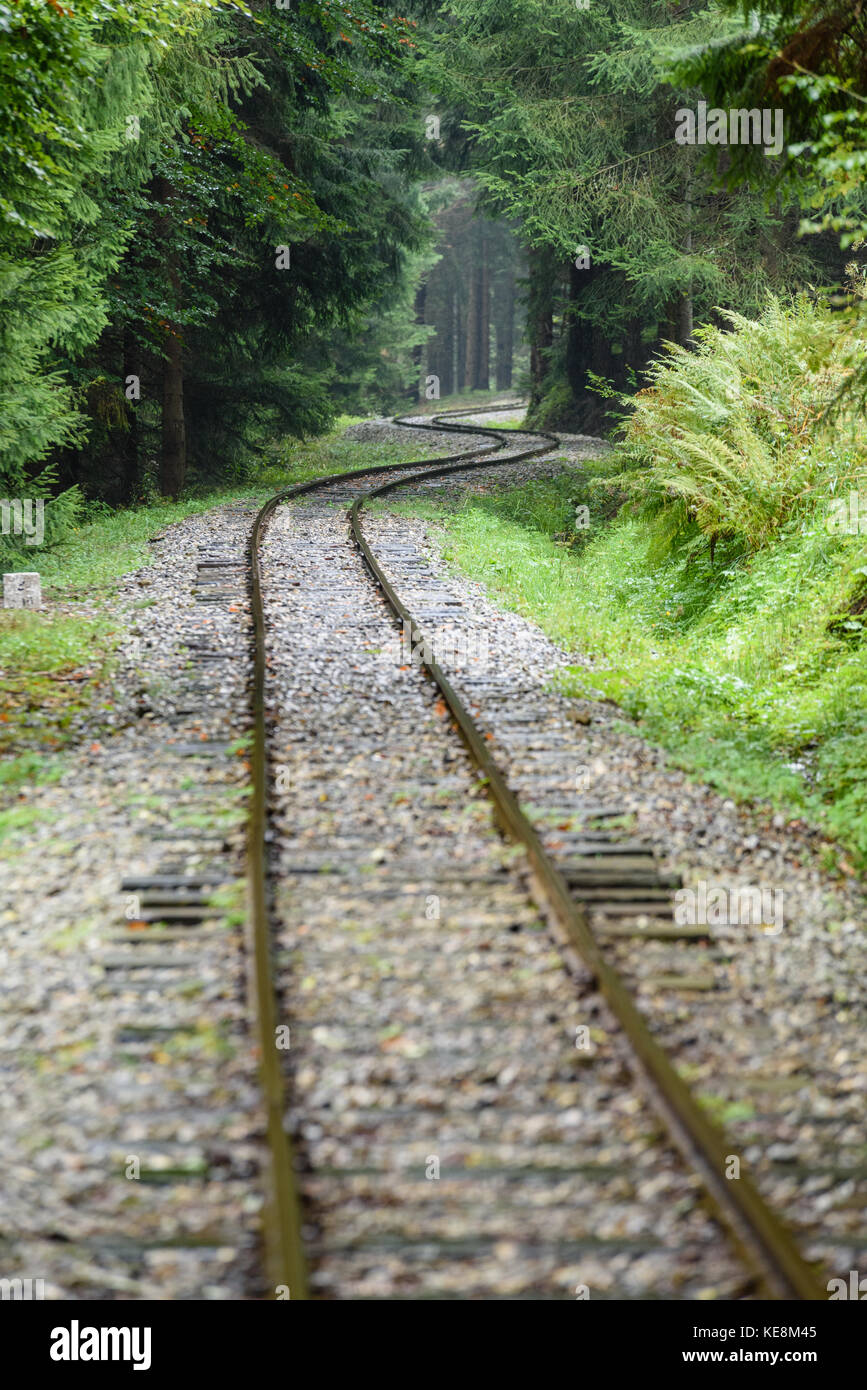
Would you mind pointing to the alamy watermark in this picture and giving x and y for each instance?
(22, 1290)
(23, 516)
(848, 516)
(855, 1289)
(444, 646)
(711, 905)
(735, 127)
(77, 1343)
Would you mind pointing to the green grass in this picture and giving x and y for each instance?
(29, 767)
(109, 545)
(52, 670)
(96, 553)
(752, 671)
(19, 818)
(510, 424)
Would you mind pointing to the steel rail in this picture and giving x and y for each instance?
(764, 1240)
(284, 1249)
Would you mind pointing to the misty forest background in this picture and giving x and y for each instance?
(226, 227)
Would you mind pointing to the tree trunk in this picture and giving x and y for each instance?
(540, 321)
(474, 309)
(684, 320)
(416, 392)
(504, 325)
(483, 356)
(173, 462)
(588, 349)
(579, 346)
(684, 315)
(130, 450)
(446, 353)
(173, 459)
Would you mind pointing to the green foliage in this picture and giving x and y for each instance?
(68, 78)
(734, 438)
(155, 156)
(102, 544)
(554, 405)
(571, 128)
(837, 157)
(51, 667)
(745, 658)
(809, 57)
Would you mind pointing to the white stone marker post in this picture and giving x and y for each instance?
(22, 590)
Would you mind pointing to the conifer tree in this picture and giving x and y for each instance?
(631, 242)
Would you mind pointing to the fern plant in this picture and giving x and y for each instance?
(732, 438)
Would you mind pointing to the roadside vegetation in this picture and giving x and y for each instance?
(720, 590)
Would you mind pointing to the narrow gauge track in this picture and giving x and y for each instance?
(607, 868)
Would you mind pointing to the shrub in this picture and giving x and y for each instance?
(735, 438)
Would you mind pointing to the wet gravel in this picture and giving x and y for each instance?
(130, 1137)
(571, 450)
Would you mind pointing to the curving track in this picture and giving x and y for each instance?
(533, 1215)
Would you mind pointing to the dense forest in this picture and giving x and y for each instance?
(225, 223)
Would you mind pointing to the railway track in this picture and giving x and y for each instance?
(427, 1154)
(472, 1038)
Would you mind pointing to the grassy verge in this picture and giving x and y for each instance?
(53, 673)
(99, 550)
(55, 664)
(750, 670)
(111, 544)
